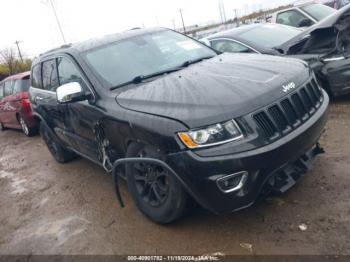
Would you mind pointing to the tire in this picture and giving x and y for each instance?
(2, 127)
(61, 154)
(172, 199)
(28, 131)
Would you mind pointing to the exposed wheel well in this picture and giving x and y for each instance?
(128, 142)
(37, 119)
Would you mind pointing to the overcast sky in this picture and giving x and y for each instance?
(33, 22)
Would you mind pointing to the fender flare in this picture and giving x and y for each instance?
(123, 161)
(42, 120)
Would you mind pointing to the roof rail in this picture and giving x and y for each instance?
(55, 49)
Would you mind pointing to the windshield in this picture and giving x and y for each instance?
(270, 36)
(318, 11)
(143, 55)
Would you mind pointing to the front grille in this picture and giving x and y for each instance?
(265, 123)
(289, 113)
(278, 117)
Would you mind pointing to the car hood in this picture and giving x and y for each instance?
(339, 21)
(215, 90)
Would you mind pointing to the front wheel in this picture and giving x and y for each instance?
(156, 192)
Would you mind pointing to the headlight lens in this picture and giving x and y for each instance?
(212, 135)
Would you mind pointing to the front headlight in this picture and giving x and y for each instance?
(212, 135)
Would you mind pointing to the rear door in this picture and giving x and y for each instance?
(44, 82)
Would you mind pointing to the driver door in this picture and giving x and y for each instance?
(79, 118)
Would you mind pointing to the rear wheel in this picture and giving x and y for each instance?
(2, 127)
(28, 131)
(156, 192)
(61, 154)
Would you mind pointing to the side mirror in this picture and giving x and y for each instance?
(305, 23)
(70, 92)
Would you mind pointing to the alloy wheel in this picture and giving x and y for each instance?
(24, 126)
(151, 182)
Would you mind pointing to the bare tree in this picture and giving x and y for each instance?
(8, 58)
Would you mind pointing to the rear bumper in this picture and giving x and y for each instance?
(292, 154)
(28, 116)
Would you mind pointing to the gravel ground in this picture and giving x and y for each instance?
(49, 208)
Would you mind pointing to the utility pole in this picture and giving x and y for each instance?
(182, 19)
(222, 12)
(19, 50)
(236, 16)
(58, 21)
(173, 20)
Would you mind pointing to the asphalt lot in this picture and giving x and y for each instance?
(49, 208)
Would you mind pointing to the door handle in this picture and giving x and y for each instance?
(38, 98)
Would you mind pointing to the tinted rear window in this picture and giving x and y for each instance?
(21, 85)
(36, 76)
(8, 88)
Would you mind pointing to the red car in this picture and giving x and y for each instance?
(15, 109)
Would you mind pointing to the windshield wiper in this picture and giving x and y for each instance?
(141, 78)
(190, 62)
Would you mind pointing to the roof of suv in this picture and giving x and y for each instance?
(100, 41)
(17, 76)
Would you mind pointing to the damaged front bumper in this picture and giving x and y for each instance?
(277, 166)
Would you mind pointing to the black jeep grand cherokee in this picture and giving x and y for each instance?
(178, 120)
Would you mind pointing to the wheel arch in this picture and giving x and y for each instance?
(42, 120)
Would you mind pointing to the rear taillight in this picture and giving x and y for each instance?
(26, 102)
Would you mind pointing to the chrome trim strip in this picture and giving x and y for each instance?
(334, 59)
(241, 183)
